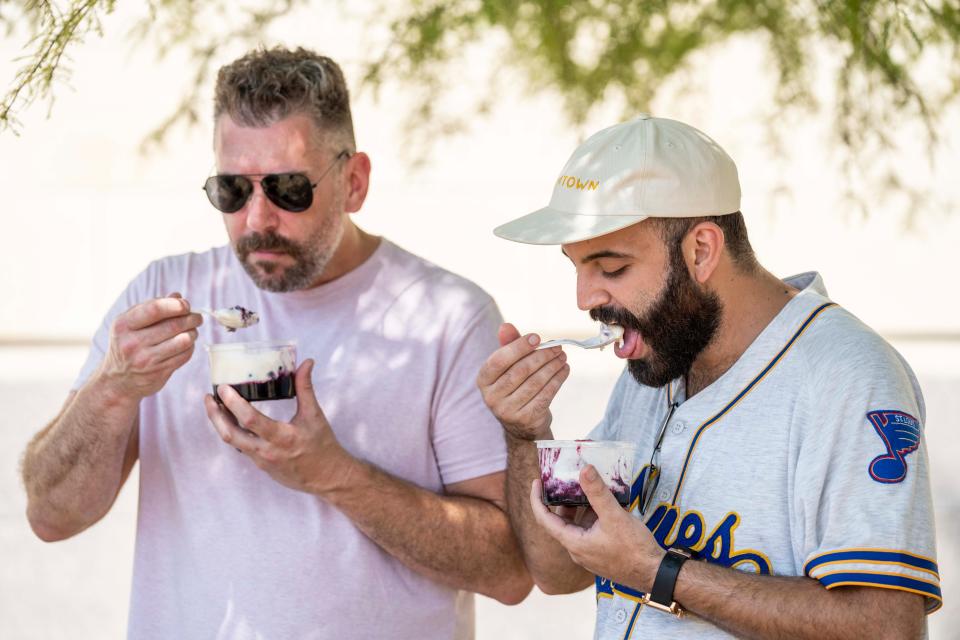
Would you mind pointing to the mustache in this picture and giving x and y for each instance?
(615, 315)
(269, 241)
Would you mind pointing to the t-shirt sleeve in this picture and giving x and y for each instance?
(467, 438)
(137, 291)
(862, 498)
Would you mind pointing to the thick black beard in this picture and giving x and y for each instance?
(298, 276)
(682, 322)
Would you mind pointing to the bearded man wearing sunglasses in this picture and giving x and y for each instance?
(783, 487)
(379, 506)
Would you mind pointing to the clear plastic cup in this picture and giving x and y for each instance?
(256, 370)
(562, 460)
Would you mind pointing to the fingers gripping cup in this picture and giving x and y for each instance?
(256, 370)
(562, 460)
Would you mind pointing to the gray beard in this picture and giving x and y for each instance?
(310, 257)
(303, 273)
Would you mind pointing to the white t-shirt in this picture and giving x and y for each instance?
(224, 551)
(806, 457)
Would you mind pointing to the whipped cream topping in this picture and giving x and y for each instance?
(236, 363)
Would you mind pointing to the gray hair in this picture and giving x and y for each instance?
(267, 85)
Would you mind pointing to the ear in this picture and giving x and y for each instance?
(357, 176)
(702, 248)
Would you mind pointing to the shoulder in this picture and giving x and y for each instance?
(412, 279)
(846, 362)
(175, 268)
(168, 274)
(833, 339)
(838, 341)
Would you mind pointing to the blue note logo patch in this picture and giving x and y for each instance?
(900, 433)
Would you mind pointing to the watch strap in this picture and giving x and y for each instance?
(666, 579)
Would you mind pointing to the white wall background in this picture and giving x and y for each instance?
(84, 210)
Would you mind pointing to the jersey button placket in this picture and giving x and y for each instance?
(672, 454)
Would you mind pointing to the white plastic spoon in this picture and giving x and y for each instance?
(609, 333)
(232, 318)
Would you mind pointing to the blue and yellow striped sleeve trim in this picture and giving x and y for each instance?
(874, 556)
(886, 568)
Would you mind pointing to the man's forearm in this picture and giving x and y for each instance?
(549, 563)
(460, 541)
(73, 469)
(760, 606)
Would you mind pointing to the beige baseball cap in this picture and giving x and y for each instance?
(647, 167)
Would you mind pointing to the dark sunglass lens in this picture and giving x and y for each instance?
(290, 191)
(650, 482)
(228, 193)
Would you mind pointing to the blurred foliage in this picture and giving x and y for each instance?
(198, 29)
(592, 49)
(53, 29)
(590, 52)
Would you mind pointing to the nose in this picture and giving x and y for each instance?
(589, 295)
(261, 213)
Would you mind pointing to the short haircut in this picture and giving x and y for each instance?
(673, 230)
(267, 85)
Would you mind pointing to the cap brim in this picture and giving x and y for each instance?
(549, 226)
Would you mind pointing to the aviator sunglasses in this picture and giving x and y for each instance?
(652, 477)
(289, 191)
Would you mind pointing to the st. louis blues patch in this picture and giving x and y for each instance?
(900, 433)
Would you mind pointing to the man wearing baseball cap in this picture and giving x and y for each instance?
(783, 488)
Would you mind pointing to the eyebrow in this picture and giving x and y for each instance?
(599, 254)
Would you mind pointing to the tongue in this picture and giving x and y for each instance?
(630, 338)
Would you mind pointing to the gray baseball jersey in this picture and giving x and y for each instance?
(806, 457)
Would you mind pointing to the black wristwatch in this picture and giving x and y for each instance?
(661, 596)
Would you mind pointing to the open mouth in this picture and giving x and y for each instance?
(630, 346)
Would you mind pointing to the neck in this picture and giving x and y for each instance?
(355, 247)
(750, 303)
